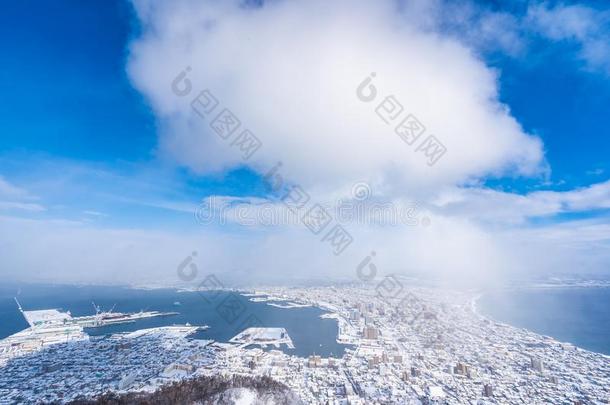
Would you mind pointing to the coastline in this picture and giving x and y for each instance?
(476, 310)
(411, 334)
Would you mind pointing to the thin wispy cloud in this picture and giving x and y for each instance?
(584, 26)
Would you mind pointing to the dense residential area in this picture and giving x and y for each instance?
(419, 345)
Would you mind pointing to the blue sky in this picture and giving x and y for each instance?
(82, 138)
(69, 107)
(552, 96)
(66, 91)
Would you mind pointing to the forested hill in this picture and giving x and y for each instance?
(215, 390)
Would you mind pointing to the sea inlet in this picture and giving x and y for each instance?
(226, 313)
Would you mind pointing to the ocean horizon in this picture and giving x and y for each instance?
(576, 315)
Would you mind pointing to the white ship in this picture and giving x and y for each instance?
(103, 318)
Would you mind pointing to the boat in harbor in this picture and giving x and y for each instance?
(103, 318)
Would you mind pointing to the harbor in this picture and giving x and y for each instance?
(52, 326)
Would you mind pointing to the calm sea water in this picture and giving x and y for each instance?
(310, 334)
(577, 315)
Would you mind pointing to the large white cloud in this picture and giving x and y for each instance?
(289, 71)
